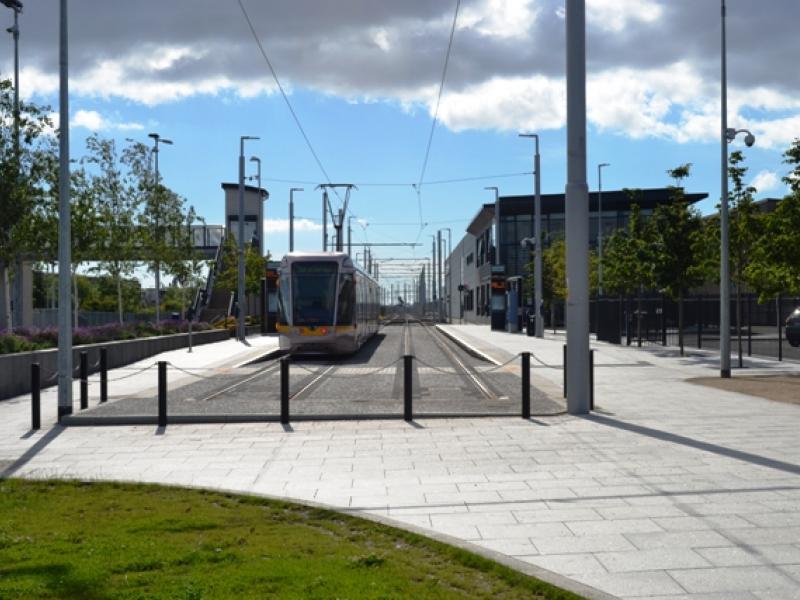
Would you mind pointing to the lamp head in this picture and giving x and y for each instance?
(14, 5)
(604, 165)
(255, 159)
(749, 139)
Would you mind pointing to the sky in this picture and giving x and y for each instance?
(363, 78)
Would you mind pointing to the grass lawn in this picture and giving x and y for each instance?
(106, 540)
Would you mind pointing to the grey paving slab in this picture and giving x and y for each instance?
(670, 491)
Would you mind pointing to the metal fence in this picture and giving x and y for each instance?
(756, 328)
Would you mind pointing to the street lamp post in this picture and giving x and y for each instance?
(240, 222)
(16, 6)
(157, 206)
(291, 217)
(537, 236)
(600, 228)
(64, 232)
(727, 135)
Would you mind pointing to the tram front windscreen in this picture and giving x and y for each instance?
(314, 292)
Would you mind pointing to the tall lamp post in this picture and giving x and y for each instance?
(537, 236)
(727, 135)
(16, 6)
(600, 227)
(156, 139)
(291, 217)
(240, 223)
(64, 232)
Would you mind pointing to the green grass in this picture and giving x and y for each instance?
(104, 540)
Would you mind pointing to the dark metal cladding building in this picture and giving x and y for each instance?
(469, 265)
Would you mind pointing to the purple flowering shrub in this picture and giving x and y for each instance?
(26, 339)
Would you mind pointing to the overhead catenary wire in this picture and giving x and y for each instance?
(401, 184)
(435, 115)
(283, 93)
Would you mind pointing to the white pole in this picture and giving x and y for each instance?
(64, 232)
(577, 214)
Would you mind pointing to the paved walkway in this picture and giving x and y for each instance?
(670, 490)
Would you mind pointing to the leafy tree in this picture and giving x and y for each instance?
(679, 247)
(160, 217)
(554, 275)
(745, 230)
(187, 265)
(792, 157)
(116, 202)
(628, 260)
(22, 180)
(254, 265)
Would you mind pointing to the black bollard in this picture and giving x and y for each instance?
(565, 370)
(408, 410)
(36, 399)
(285, 390)
(591, 379)
(84, 374)
(162, 393)
(526, 385)
(103, 374)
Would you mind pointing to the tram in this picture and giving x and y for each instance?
(326, 304)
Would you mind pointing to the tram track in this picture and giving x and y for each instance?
(470, 375)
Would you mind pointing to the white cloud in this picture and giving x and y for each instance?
(500, 18)
(94, 121)
(507, 104)
(765, 181)
(616, 15)
(282, 225)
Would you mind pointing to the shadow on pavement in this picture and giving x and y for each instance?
(754, 459)
(31, 452)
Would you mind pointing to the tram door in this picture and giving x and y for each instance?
(498, 299)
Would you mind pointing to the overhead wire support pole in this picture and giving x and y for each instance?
(64, 232)
(577, 213)
(537, 237)
(240, 317)
(338, 224)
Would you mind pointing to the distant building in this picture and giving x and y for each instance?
(469, 264)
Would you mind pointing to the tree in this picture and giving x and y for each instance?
(775, 265)
(116, 201)
(22, 181)
(187, 265)
(679, 247)
(745, 230)
(554, 275)
(628, 260)
(160, 218)
(254, 264)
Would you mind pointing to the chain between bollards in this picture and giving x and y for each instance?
(103, 374)
(526, 385)
(285, 390)
(84, 375)
(408, 409)
(36, 399)
(162, 393)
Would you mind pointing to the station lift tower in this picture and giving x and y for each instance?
(337, 218)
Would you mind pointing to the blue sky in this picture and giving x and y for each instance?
(363, 82)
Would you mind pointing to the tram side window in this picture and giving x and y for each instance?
(345, 313)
